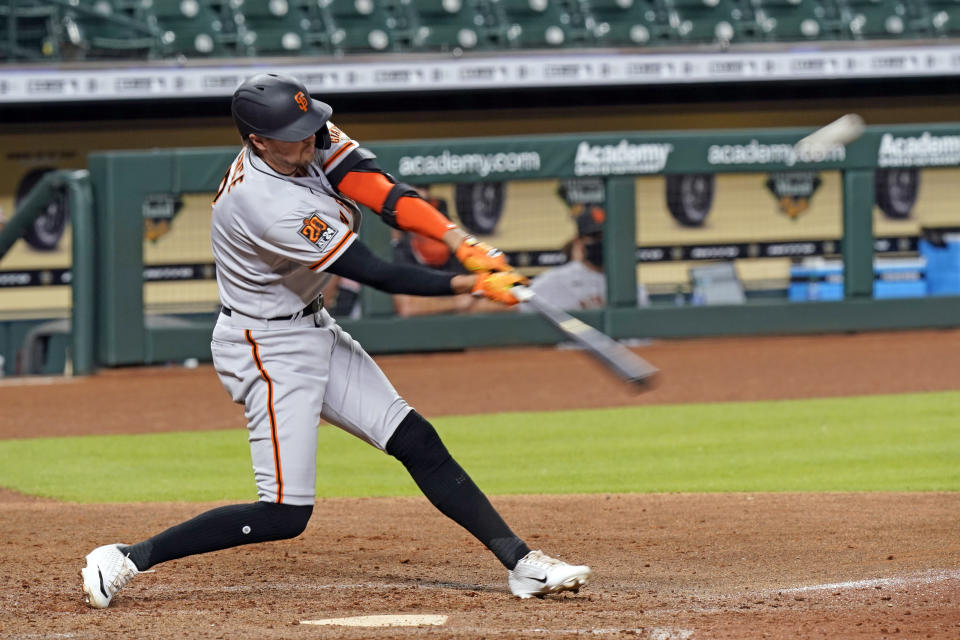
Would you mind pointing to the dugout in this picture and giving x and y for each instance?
(143, 310)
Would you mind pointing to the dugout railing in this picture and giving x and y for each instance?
(74, 185)
(124, 181)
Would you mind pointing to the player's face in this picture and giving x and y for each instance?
(285, 157)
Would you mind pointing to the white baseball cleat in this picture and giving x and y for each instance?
(537, 574)
(107, 570)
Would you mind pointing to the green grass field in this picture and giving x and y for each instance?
(874, 443)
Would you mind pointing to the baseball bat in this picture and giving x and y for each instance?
(841, 131)
(616, 357)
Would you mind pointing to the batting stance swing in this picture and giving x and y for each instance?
(285, 218)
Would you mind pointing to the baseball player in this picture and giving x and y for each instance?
(284, 219)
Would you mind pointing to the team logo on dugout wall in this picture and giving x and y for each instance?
(159, 210)
(317, 232)
(793, 190)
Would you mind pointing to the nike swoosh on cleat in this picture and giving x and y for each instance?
(543, 579)
(102, 588)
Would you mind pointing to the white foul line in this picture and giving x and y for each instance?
(381, 621)
(924, 578)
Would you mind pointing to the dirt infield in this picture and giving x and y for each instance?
(522, 379)
(667, 566)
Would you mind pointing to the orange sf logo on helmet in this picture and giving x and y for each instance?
(301, 100)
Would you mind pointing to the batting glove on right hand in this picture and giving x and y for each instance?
(496, 286)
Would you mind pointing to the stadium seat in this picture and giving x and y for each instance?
(720, 21)
(26, 31)
(142, 29)
(445, 25)
(943, 17)
(368, 26)
(797, 20)
(277, 27)
(320, 22)
(877, 19)
(111, 29)
(190, 28)
(540, 23)
(633, 23)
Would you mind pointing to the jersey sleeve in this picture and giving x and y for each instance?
(310, 238)
(340, 147)
(555, 289)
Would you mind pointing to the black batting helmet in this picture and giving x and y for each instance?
(278, 107)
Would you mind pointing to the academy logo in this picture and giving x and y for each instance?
(924, 150)
(620, 159)
(317, 232)
(756, 152)
(481, 164)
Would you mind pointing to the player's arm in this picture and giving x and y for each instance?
(406, 306)
(360, 264)
(359, 178)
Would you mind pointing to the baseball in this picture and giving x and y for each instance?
(191, 363)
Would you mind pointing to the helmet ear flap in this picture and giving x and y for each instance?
(323, 138)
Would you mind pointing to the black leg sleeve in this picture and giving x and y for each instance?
(222, 528)
(417, 445)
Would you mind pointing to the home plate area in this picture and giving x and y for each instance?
(666, 566)
(655, 633)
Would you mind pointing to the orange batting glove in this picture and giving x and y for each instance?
(497, 285)
(479, 256)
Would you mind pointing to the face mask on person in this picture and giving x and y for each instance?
(593, 252)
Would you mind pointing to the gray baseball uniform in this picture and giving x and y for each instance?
(285, 359)
(273, 236)
(575, 285)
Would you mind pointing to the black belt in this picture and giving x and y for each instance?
(308, 310)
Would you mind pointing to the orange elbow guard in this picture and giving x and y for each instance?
(398, 204)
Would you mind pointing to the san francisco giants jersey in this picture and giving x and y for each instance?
(273, 235)
(574, 285)
(273, 238)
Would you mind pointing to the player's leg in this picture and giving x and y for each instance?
(362, 401)
(110, 567)
(416, 444)
(282, 411)
(531, 573)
